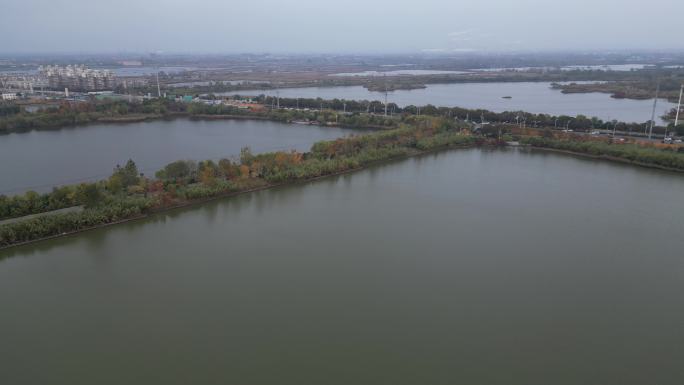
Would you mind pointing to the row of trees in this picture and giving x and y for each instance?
(124, 179)
(51, 225)
(633, 153)
(352, 113)
(317, 115)
(126, 193)
(32, 202)
(75, 113)
(576, 123)
(7, 109)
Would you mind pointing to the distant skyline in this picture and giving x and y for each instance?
(352, 26)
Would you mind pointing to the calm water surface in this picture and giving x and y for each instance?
(466, 267)
(530, 96)
(399, 73)
(40, 160)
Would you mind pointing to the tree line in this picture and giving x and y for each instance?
(70, 113)
(127, 194)
(351, 113)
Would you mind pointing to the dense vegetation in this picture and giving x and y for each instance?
(32, 203)
(127, 194)
(576, 123)
(351, 113)
(284, 114)
(85, 194)
(639, 85)
(51, 225)
(75, 113)
(7, 109)
(629, 152)
(70, 113)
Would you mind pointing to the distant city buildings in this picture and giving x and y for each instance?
(9, 96)
(77, 78)
(133, 82)
(21, 81)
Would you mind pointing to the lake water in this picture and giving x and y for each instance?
(218, 82)
(529, 96)
(400, 73)
(602, 67)
(40, 160)
(465, 267)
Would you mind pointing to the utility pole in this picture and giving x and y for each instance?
(385, 78)
(385, 101)
(158, 88)
(655, 104)
(679, 106)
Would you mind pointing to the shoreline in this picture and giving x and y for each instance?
(197, 202)
(175, 116)
(608, 159)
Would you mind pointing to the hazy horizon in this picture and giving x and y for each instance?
(307, 26)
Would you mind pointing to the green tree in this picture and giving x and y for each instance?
(89, 194)
(124, 177)
(179, 169)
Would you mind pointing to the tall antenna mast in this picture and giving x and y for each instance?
(655, 104)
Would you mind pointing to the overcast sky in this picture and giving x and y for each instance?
(220, 26)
